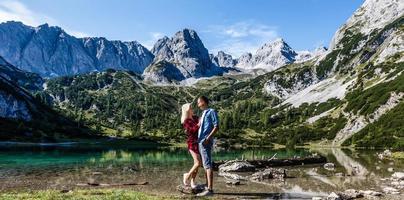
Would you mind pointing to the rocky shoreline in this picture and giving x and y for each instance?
(234, 171)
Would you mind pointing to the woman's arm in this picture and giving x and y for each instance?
(191, 127)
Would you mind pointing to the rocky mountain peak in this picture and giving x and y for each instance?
(186, 53)
(50, 51)
(373, 14)
(303, 56)
(269, 56)
(223, 59)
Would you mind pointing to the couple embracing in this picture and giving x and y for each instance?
(200, 141)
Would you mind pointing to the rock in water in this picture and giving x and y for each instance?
(189, 190)
(398, 175)
(390, 190)
(329, 166)
(232, 176)
(233, 182)
(236, 166)
(350, 194)
(269, 174)
(333, 196)
(370, 193)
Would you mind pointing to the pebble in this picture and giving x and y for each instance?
(340, 174)
(371, 193)
(390, 190)
(398, 175)
(233, 182)
(329, 166)
(333, 196)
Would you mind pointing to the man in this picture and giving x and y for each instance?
(209, 125)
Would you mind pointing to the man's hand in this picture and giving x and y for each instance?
(209, 137)
(206, 141)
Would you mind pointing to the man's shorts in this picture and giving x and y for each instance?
(206, 154)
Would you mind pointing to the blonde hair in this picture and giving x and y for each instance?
(184, 112)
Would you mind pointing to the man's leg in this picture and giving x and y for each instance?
(209, 174)
(205, 152)
(209, 166)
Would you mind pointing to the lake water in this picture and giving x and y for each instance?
(64, 167)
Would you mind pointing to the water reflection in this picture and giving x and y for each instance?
(61, 167)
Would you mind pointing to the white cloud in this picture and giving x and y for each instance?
(13, 10)
(154, 36)
(17, 11)
(241, 37)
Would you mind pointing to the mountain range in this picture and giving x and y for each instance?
(50, 52)
(349, 94)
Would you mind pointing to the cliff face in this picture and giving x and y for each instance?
(183, 54)
(50, 52)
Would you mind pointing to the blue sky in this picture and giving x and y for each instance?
(235, 26)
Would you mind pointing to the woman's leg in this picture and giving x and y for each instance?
(197, 163)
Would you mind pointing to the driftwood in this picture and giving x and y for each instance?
(273, 162)
(112, 184)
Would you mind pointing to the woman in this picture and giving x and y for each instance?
(190, 123)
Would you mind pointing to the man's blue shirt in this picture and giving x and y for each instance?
(209, 122)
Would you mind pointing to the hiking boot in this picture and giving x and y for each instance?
(205, 193)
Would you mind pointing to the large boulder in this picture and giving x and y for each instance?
(236, 166)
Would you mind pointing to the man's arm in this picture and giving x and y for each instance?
(215, 121)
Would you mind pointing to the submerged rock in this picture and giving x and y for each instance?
(329, 166)
(233, 182)
(353, 194)
(339, 174)
(190, 190)
(236, 166)
(390, 190)
(350, 194)
(333, 196)
(232, 176)
(269, 173)
(398, 175)
(370, 193)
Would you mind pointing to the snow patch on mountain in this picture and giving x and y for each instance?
(320, 92)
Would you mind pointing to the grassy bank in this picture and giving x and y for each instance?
(94, 194)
